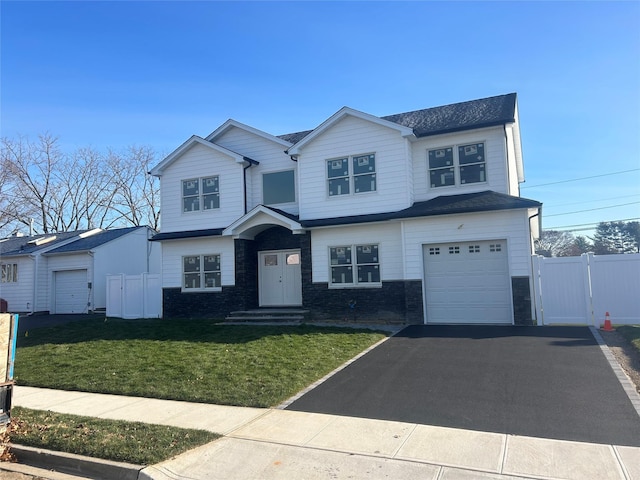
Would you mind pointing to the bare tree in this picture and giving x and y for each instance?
(554, 243)
(137, 193)
(42, 187)
(30, 167)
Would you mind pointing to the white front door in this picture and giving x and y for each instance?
(280, 278)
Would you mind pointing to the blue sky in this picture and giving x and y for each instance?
(113, 74)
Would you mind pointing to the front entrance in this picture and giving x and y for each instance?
(280, 278)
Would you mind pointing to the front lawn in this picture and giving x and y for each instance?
(198, 361)
(131, 442)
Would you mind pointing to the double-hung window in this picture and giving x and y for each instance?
(457, 165)
(200, 194)
(353, 265)
(351, 174)
(201, 272)
(9, 273)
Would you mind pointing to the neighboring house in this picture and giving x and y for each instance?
(415, 218)
(66, 272)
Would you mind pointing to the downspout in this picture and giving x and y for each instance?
(250, 163)
(534, 287)
(34, 257)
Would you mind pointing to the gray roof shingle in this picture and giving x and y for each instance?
(484, 112)
(26, 245)
(92, 241)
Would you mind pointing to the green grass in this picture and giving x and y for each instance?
(252, 365)
(631, 333)
(131, 442)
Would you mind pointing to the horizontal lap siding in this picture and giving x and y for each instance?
(509, 225)
(387, 236)
(173, 251)
(19, 294)
(494, 139)
(199, 162)
(270, 155)
(352, 136)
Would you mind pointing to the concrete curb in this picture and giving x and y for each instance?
(72, 464)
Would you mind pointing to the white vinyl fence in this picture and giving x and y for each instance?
(134, 296)
(581, 290)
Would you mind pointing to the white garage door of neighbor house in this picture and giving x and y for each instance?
(467, 282)
(71, 292)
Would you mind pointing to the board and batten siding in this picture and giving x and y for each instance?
(57, 263)
(353, 136)
(271, 156)
(200, 161)
(174, 250)
(386, 235)
(496, 163)
(508, 225)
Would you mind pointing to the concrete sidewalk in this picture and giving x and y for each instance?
(280, 444)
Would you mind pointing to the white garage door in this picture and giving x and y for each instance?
(71, 292)
(467, 282)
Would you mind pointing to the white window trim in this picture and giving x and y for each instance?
(9, 273)
(201, 256)
(456, 165)
(295, 192)
(201, 195)
(354, 268)
(351, 176)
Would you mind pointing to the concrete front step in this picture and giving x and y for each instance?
(270, 318)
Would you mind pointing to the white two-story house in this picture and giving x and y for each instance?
(414, 218)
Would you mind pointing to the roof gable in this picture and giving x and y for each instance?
(229, 124)
(186, 146)
(259, 219)
(339, 115)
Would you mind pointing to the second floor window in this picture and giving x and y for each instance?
(457, 165)
(351, 174)
(278, 187)
(200, 194)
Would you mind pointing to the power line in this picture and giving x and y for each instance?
(556, 205)
(578, 179)
(592, 209)
(589, 224)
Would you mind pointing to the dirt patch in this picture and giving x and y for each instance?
(627, 356)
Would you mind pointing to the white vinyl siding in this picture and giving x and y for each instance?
(510, 225)
(271, 157)
(197, 163)
(19, 294)
(174, 251)
(495, 169)
(351, 136)
(387, 238)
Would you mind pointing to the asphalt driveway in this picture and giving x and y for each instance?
(551, 382)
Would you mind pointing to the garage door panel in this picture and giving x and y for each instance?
(71, 294)
(467, 282)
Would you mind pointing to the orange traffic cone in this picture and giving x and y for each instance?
(607, 323)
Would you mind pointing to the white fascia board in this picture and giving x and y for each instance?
(339, 115)
(236, 229)
(194, 140)
(254, 131)
(517, 145)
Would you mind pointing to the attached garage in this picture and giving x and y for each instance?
(467, 282)
(71, 291)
